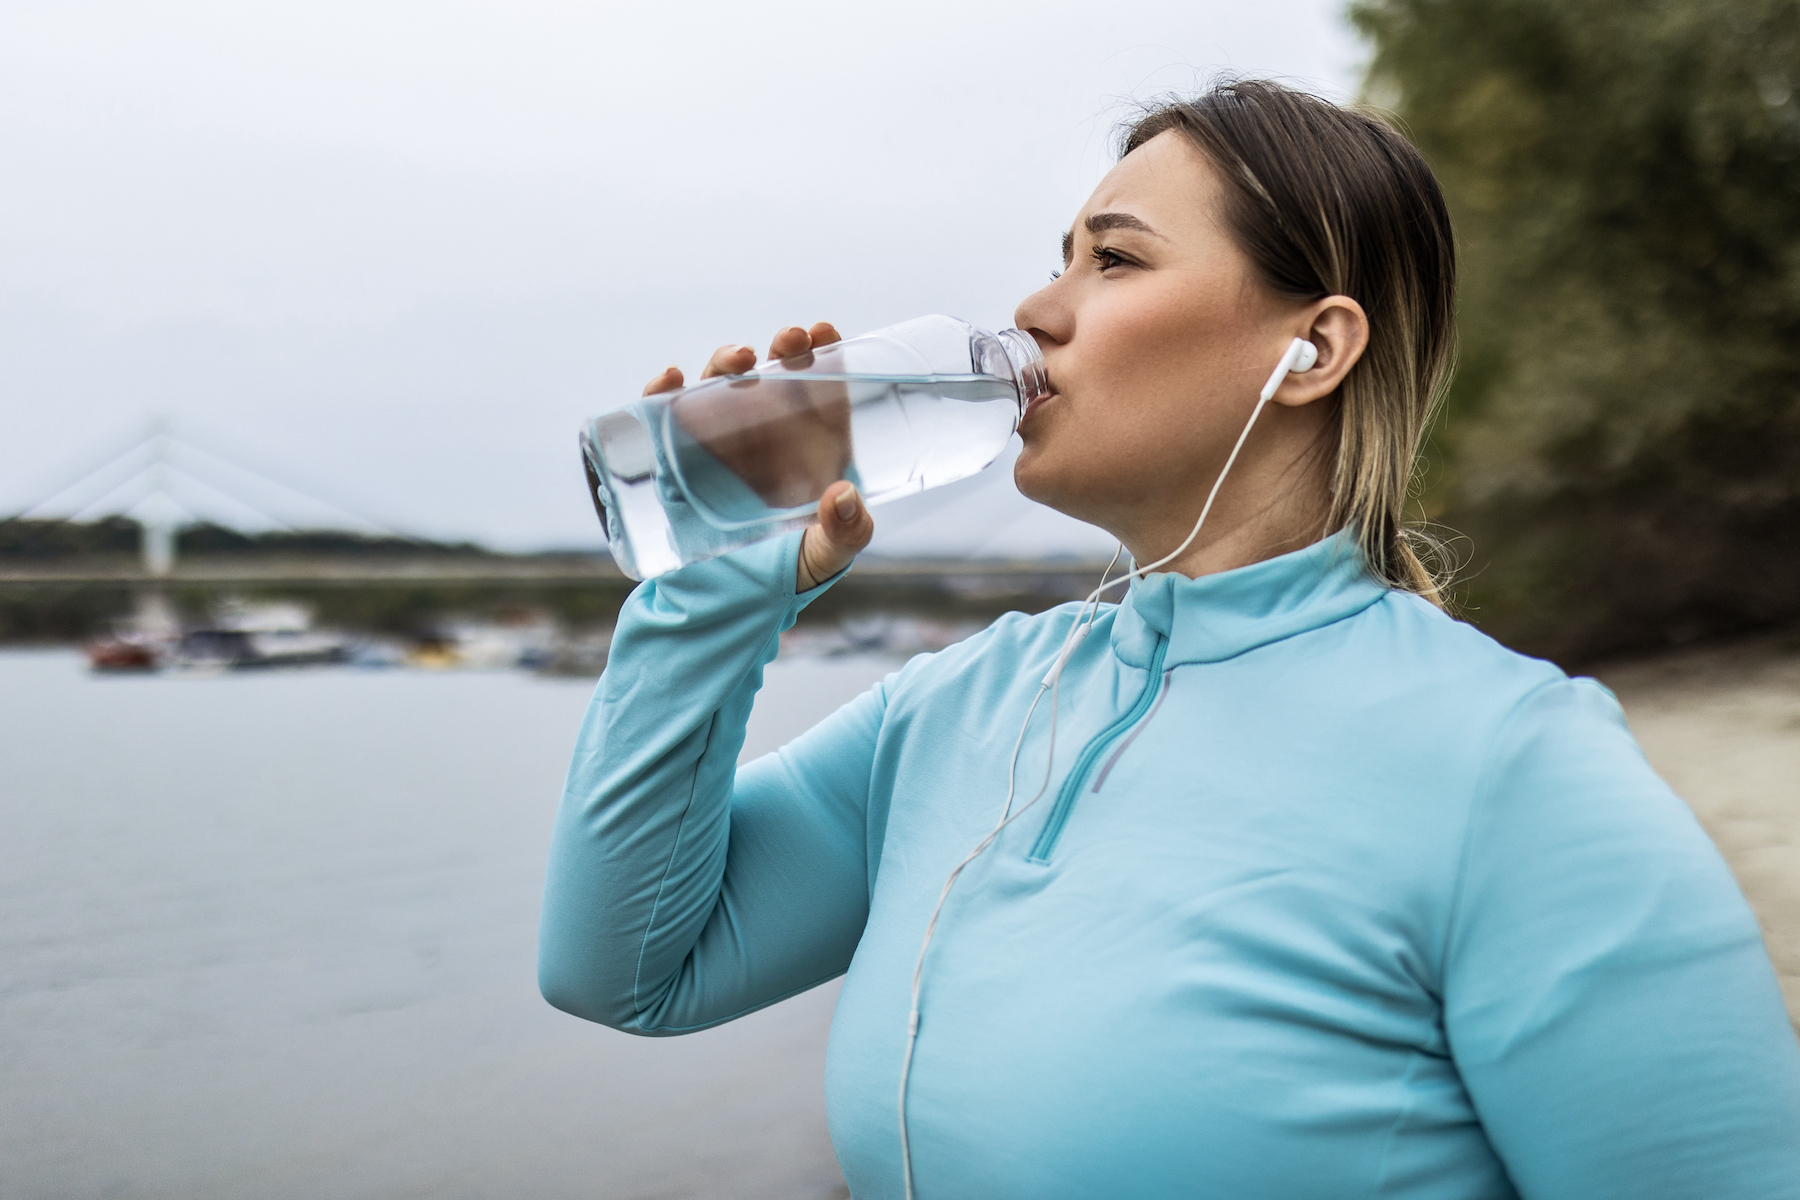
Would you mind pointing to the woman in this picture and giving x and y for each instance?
(1326, 894)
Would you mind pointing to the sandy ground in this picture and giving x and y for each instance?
(1723, 727)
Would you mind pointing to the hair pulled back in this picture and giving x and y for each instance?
(1329, 201)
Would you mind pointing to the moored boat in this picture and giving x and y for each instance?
(122, 654)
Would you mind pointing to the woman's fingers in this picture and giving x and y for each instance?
(738, 358)
(790, 342)
(844, 528)
(670, 380)
(729, 360)
(735, 360)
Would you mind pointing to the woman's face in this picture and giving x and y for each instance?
(1157, 338)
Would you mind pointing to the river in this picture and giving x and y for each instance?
(272, 935)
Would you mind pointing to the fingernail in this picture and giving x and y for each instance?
(847, 503)
(745, 349)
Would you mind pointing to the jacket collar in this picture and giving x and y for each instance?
(1216, 617)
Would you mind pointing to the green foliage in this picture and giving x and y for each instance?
(1622, 440)
(37, 539)
(60, 615)
(33, 540)
(208, 539)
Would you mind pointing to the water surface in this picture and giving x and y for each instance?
(272, 935)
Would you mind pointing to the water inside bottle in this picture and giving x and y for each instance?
(742, 458)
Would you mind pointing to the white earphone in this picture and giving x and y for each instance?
(1297, 359)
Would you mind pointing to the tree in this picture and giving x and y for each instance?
(1621, 443)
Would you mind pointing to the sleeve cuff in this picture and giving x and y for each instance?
(790, 560)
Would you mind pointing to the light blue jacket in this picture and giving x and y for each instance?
(1331, 896)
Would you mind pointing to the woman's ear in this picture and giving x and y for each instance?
(1339, 328)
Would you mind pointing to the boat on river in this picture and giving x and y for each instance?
(241, 636)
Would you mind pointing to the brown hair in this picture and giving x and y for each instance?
(1329, 201)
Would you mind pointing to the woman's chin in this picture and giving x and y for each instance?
(1037, 478)
(1026, 476)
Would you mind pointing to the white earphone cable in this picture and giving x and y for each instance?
(1299, 352)
(1007, 816)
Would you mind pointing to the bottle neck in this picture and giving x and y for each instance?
(1027, 363)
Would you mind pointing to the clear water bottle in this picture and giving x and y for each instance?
(691, 474)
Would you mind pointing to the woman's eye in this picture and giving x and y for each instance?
(1105, 259)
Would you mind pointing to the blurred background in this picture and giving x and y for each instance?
(301, 306)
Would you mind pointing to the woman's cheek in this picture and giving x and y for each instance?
(1070, 455)
(1034, 466)
(1050, 462)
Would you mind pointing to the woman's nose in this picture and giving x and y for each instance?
(1045, 312)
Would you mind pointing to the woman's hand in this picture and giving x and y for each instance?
(845, 526)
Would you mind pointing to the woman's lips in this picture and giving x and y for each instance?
(1037, 402)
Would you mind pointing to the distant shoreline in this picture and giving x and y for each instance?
(76, 598)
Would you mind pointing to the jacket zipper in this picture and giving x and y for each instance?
(1071, 788)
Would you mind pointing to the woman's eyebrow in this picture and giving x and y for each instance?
(1099, 223)
(1118, 220)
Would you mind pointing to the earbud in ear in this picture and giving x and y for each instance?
(1301, 355)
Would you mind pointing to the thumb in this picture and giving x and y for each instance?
(844, 528)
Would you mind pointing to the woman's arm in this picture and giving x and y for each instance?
(1607, 995)
(682, 891)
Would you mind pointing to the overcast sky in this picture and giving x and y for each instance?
(393, 252)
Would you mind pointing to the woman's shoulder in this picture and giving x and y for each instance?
(1442, 651)
(1006, 649)
(1517, 707)
(1545, 764)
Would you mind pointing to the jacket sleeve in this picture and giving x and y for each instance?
(1607, 996)
(684, 891)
